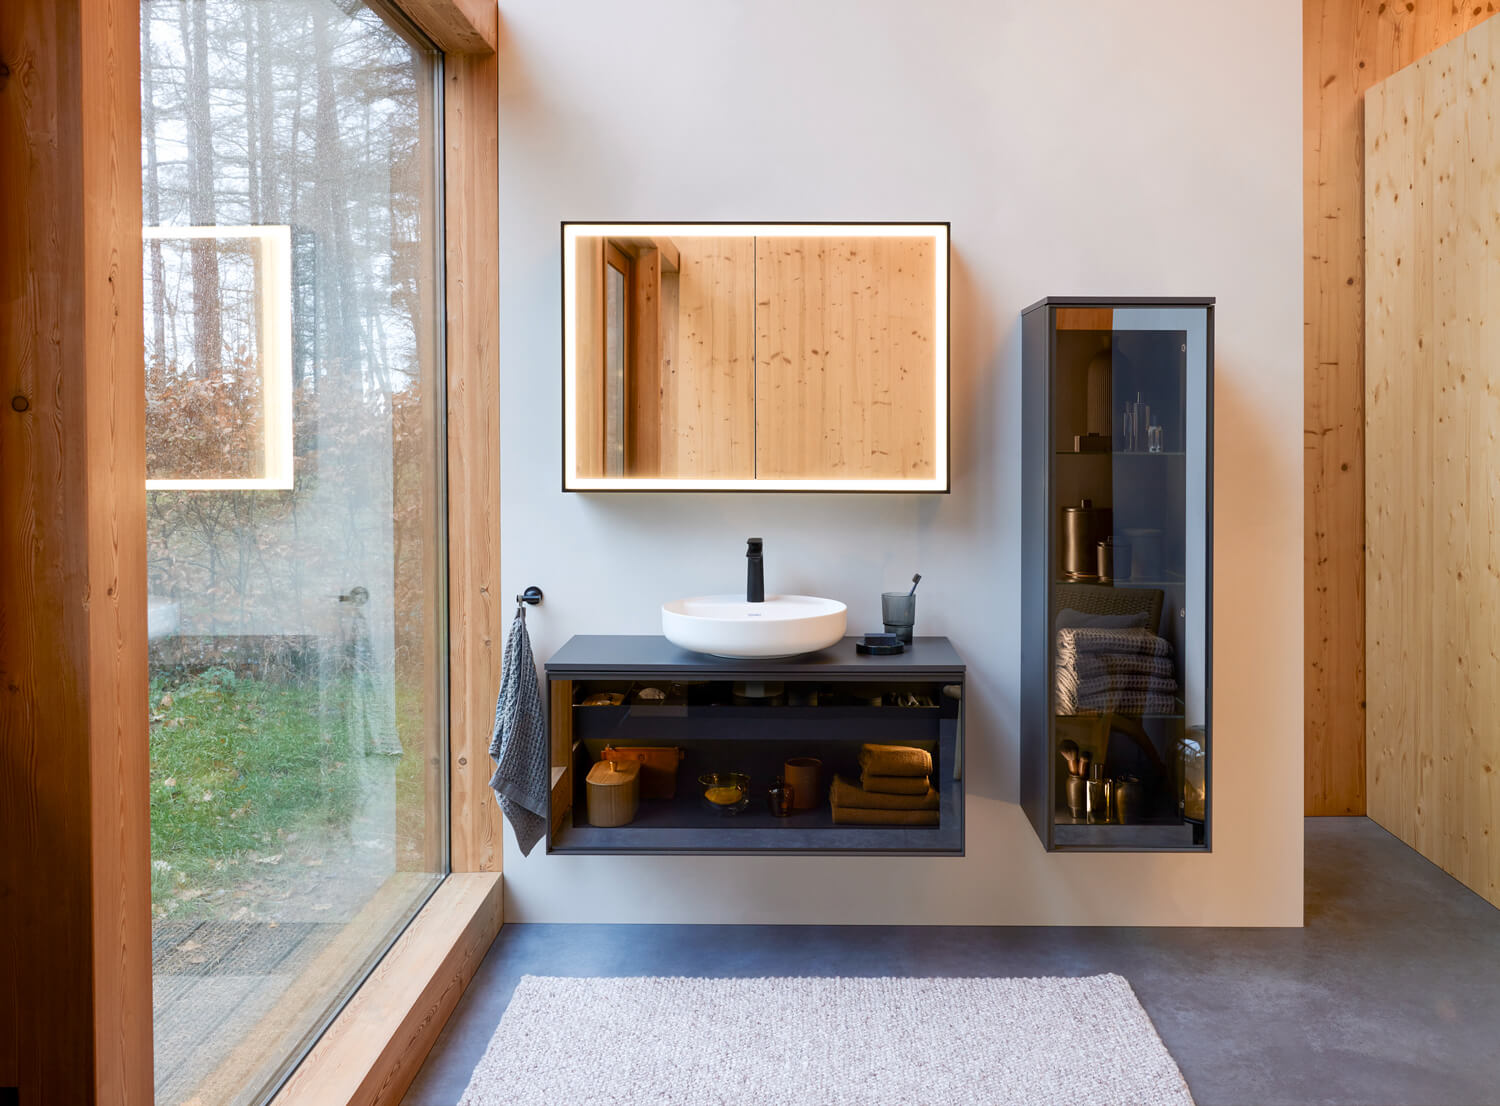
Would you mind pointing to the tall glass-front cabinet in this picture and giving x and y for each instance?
(1117, 444)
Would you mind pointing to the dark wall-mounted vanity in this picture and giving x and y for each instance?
(1117, 442)
(750, 717)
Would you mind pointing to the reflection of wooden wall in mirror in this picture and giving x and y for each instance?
(844, 358)
(590, 373)
(708, 377)
(708, 384)
(1085, 318)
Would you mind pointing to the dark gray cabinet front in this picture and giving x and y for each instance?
(1117, 443)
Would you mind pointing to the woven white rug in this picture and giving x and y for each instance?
(825, 1042)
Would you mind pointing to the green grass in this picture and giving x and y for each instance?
(239, 765)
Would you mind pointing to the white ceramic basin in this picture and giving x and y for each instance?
(727, 626)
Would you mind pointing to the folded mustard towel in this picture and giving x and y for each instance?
(843, 793)
(895, 760)
(895, 785)
(854, 816)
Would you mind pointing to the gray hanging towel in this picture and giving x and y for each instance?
(519, 741)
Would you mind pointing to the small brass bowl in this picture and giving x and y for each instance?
(725, 792)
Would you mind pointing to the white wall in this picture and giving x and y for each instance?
(1086, 148)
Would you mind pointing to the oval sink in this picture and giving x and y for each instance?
(727, 626)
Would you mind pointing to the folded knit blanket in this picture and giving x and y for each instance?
(1098, 639)
(1090, 665)
(895, 760)
(1128, 671)
(1098, 686)
(894, 785)
(845, 794)
(1128, 702)
(1129, 694)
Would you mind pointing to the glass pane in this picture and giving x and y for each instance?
(1130, 586)
(614, 371)
(294, 387)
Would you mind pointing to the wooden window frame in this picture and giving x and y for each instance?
(75, 937)
(624, 264)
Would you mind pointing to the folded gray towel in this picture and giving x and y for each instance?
(519, 741)
(1091, 665)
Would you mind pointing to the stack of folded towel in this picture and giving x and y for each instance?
(895, 789)
(1126, 671)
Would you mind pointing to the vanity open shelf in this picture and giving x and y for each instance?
(751, 716)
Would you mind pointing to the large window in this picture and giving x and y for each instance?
(293, 319)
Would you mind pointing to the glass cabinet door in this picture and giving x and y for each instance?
(1129, 589)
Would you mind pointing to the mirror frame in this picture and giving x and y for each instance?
(938, 483)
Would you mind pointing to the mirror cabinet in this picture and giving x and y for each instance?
(764, 357)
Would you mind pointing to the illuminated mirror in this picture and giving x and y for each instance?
(754, 356)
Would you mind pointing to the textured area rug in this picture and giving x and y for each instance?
(825, 1042)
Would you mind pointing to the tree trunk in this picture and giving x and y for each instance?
(208, 338)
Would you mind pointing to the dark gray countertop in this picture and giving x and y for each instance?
(606, 655)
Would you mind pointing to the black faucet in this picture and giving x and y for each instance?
(755, 578)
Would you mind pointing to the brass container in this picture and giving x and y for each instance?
(1130, 800)
(1078, 799)
(801, 775)
(1083, 528)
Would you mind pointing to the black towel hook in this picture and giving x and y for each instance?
(532, 596)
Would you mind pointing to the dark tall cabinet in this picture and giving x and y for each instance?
(1117, 566)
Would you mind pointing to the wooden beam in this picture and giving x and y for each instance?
(374, 1048)
(457, 26)
(560, 722)
(75, 986)
(1348, 45)
(671, 256)
(643, 375)
(476, 609)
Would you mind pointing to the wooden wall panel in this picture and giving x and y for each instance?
(708, 376)
(1348, 45)
(589, 382)
(476, 609)
(75, 940)
(1432, 391)
(844, 384)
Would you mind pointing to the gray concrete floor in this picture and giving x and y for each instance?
(1391, 994)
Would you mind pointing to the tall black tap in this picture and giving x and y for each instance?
(755, 577)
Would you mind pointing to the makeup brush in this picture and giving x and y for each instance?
(915, 580)
(1069, 751)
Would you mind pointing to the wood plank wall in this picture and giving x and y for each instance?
(1432, 401)
(1348, 45)
(75, 939)
(708, 378)
(844, 358)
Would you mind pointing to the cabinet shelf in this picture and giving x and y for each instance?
(1116, 455)
(683, 825)
(753, 738)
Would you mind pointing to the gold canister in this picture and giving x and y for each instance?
(801, 775)
(1083, 527)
